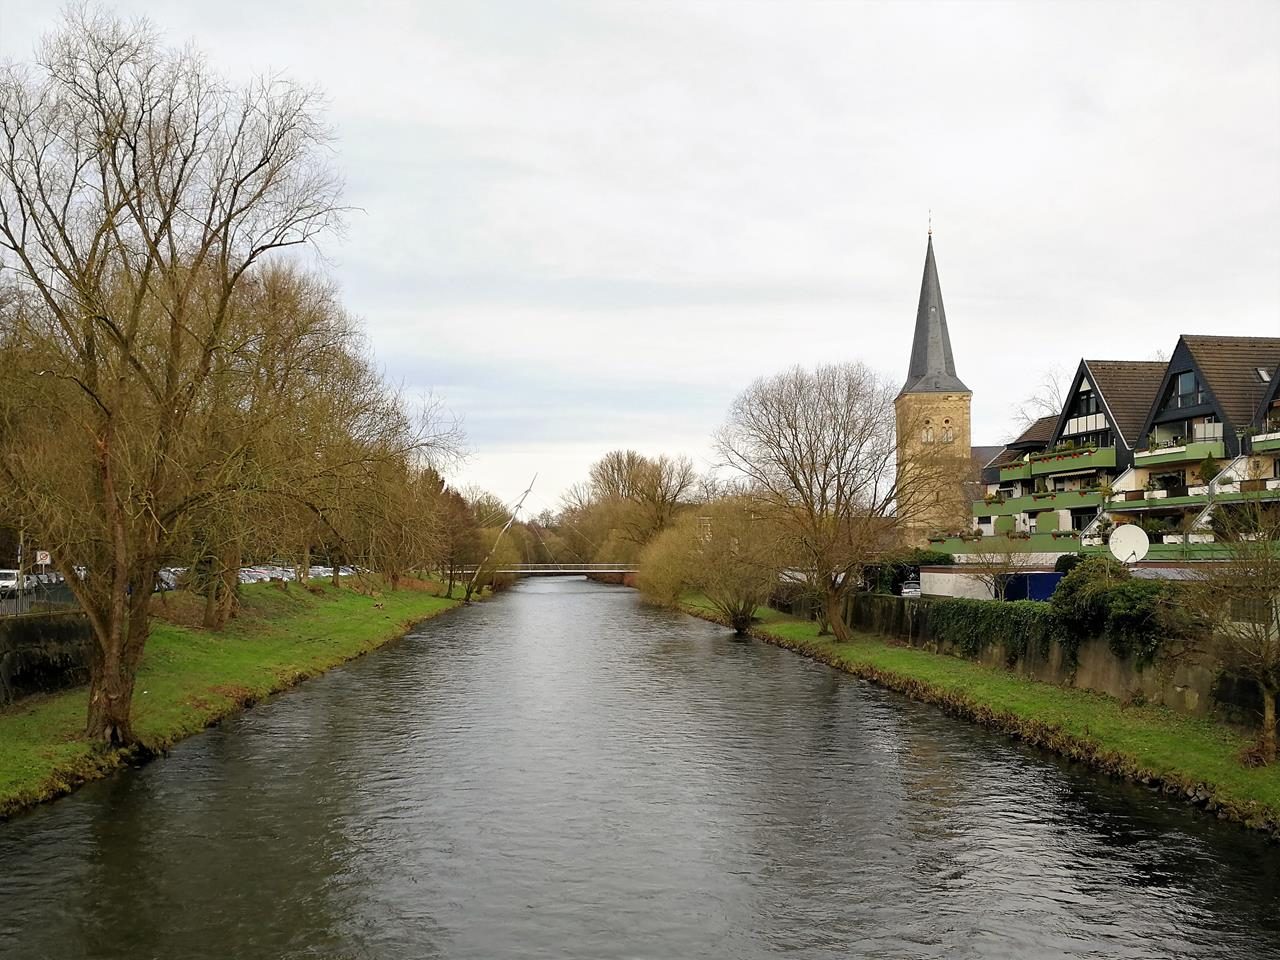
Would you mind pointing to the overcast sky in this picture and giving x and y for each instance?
(589, 225)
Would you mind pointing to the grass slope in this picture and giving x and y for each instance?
(1191, 756)
(191, 678)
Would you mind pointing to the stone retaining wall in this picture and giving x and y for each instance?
(42, 652)
(1195, 684)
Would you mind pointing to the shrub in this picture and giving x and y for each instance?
(1209, 468)
(1134, 628)
(1101, 598)
(1067, 562)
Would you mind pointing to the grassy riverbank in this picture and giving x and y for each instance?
(1193, 757)
(191, 678)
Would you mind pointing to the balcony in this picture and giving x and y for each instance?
(1060, 461)
(1016, 471)
(1052, 500)
(1174, 452)
(1057, 541)
(1266, 442)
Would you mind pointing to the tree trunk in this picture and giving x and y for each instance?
(1267, 738)
(337, 577)
(114, 666)
(110, 701)
(304, 570)
(210, 619)
(835, 616)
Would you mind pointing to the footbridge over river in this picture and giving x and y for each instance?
(558, 569)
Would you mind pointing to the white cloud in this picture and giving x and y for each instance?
(591, 224)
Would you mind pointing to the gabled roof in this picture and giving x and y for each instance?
(1230, 368)
(1128, 388)
(984, 455)
(1034, 438)
(933, 368)
(1040, 432)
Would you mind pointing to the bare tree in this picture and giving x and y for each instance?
(1235, 602)
(995, 563)
(818, 451)
(137, 191)
(1046, 399)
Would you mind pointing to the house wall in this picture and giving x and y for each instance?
(949, 582)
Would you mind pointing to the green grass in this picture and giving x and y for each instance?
(1145, 743)
(190, 678)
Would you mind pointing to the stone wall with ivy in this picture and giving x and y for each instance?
(1030, 638)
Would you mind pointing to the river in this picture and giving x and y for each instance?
(564, 772)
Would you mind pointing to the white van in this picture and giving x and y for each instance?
(8, 579)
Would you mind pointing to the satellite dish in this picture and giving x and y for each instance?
(1128, 543)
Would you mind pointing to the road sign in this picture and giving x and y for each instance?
(42, 558)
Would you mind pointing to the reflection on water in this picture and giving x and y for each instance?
(563, 772)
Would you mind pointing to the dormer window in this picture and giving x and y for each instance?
(1263, 374)
(1184, 390)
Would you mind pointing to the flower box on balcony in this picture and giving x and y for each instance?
(1252, 486)
(1065, 534)
(1199, 491)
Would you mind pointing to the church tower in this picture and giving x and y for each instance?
(932, 415)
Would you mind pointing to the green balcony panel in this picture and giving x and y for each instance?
(1016, 471)
(1058, 542)
(1157, 503)
(1190, 453)
(1267, 444)
(1065, 499)
(1062, 461)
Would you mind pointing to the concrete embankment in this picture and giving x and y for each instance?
(1190, 757)
(193, 678)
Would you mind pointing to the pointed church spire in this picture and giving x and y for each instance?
(933, 369)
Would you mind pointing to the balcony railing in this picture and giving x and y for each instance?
(1178, 451)
(1083, 458)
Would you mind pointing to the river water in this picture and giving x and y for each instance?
(563, 772)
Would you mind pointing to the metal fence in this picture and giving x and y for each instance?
(37, 598)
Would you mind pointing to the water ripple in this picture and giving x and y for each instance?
(566, 773)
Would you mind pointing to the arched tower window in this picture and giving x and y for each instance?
(948, 433)
(927, 434)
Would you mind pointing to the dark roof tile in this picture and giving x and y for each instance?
(933, 368)
(1230, 365)
(1129, 388)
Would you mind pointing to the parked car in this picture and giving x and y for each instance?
(911, 588)
(8, 580)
